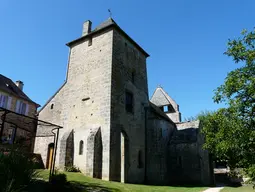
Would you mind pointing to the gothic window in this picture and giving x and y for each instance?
(81, 147)
(129, 102)
(52, 106)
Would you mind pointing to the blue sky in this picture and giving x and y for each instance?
(186, 40)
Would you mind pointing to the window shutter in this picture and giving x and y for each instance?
(17, 106)
(9, 103)
(4, 101)
(27, 109)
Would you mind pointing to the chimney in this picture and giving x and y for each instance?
(20, 85)
(86, 27)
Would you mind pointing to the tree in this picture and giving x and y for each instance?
(227, 138)
(238, 89)
(230, 132)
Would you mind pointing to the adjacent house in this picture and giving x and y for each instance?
(18, 114)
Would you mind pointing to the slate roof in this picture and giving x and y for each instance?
(8, 86)
(187, 132)
(157, 110)
(105, 25)
(161, 98)
(188, 125)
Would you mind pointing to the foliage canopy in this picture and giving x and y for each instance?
(230, 132)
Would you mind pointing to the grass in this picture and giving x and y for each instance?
(247, 188)
(82, 183)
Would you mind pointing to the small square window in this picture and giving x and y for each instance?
(165, 108)
(129, 102)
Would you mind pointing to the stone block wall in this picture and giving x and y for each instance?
(128, 75)
(159, 132)
(189, 163)
(84, 99)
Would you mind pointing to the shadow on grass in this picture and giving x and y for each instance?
(42, 186)
(224, 179)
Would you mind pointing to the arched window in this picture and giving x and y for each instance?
(81, 148)
(52, 105)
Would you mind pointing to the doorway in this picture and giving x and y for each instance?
(50, 155)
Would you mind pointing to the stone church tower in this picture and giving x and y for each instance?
(101, 106)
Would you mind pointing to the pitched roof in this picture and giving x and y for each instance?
(8, 86)
(188, 125)
(161, 98)
(105, 25)
(187, 132)
(52, 97)
(159, 112)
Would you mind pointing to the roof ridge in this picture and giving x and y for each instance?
(110, 22)
(7, 85)
(168, 97)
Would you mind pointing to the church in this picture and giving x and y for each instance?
(112, 130)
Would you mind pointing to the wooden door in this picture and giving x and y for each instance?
(50, 155)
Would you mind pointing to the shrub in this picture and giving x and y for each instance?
(251, 174)
(16, 171)
(72, 169)
(37, 161)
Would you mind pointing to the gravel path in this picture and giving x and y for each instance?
(214, 189)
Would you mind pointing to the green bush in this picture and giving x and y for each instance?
(37, 161)
(72, 169)
(251, 174)
(16, 171)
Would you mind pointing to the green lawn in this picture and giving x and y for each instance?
(89, 184)
(247, 188)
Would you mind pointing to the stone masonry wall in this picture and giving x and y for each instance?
(159, 132)
(83, 101)
(128, 74)
(189, 163)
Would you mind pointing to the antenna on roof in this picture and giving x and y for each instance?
(110, 13)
